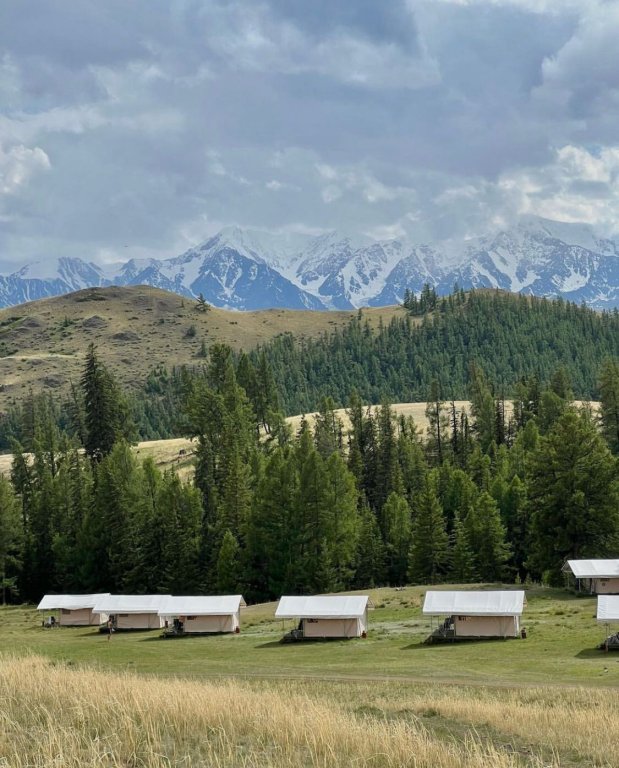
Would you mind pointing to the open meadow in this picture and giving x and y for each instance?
(248, 700)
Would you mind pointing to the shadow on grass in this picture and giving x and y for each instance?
(274, 644)
(593, 653)
(423, 645)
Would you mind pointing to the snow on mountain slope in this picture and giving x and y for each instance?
(252, 269)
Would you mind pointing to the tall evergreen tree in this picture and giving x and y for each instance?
(609, 403)
(429, 553)
(106, 413)
(397, 521)
(573, 496)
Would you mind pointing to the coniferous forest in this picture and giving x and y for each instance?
(505, 494)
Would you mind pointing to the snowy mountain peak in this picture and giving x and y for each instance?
(251, 269)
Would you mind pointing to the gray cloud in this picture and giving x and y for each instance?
(139, 128)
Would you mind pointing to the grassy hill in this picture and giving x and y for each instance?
(42, 343)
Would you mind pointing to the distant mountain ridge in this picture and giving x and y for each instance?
(250, 269)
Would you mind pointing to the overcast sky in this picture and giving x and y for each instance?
(134, 128)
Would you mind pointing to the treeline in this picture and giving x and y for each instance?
(511, 337)
(505, 493)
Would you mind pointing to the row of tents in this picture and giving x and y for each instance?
(458, 613)
(467, 613)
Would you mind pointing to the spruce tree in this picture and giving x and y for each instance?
(573, 494)
(228, 564)
(429, 554)
(106, 413)
(462, 566)
(370, 571)
(486, 536)
(609, 403)
(11, 541)
(397, 521)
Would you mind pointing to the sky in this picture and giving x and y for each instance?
(139, 128)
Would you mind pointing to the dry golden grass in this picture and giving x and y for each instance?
(416, 410)
(55, 715)
(135, 329)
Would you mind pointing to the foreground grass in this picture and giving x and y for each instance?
(560, 648)
(68, 697)
(53, 714)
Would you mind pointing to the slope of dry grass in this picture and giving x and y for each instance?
(54, 715)
(43, 342)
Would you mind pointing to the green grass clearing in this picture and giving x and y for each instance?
(560, 648)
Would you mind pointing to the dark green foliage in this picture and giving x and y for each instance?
(573, 493)
(609, 403)
(510, 337)
(106, 412)
(429, 551)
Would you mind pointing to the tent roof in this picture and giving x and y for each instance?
(69, 602)
(200, 605)
(129, 603)
(608, 608)
(593, 569)
(322, 607)
(474, 602)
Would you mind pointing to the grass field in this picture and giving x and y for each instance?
(247, 700)
(70, 697)
(559, 650)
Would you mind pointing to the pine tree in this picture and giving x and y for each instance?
(573, 496)
(609, 403)
(106, 413)
(462, 568)
(486, 536)
(429, 554)
(342, 528)
(397, 521)
(437, 425)
(328, 429)
(370, 570)
(228, 564)
(11, 541)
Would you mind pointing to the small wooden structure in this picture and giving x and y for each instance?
(73, 610)
(608, 614)
(132, 611)
(325, 616)
(597, 577)
(474, 614)
(201, 614)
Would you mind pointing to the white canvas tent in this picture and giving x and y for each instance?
(74, 610)
(132, 611)
(201, 614)
(608, 608)
(475, 613)
(324, 616)
(599, 577)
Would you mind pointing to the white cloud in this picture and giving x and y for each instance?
(18, 165)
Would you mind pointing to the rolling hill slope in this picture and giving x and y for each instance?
(42, 343)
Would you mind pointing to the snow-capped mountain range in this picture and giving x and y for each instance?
(251, 269)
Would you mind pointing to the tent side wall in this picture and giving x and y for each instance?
(223, 623)
(80, 617)
(332, 627)
(139, 621)
(487, 626)
(605, 586)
